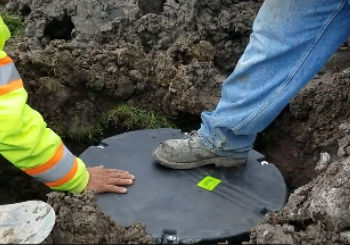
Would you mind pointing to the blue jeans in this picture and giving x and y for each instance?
(290, 42)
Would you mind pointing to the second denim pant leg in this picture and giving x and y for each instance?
(290, 42)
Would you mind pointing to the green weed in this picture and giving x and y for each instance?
(14, 22)
(126, 117)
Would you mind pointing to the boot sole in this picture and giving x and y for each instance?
(218, 162)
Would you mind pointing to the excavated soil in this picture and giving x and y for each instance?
(317, 213)
(80, 221)
(79, 59)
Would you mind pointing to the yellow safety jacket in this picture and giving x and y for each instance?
(25, 139)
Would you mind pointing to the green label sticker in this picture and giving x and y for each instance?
(209, 183)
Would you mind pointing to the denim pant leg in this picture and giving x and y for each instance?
(290, 42)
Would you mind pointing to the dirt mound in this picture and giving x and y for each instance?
(80, 221)
(317, 213)
(78, 59)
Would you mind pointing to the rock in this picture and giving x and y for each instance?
(341, 151)
(324, 161)
(344, 126)
(343, 142)
(345, 237)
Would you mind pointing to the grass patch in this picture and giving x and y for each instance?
(14, 22)
(124, 117)
(92, 135)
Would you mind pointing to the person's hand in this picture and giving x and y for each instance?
(109, 180)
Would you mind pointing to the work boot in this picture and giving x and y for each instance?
(189, 152)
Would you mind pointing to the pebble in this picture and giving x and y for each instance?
(341, 151)
(324, 161)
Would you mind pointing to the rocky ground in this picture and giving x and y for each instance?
(80, 58)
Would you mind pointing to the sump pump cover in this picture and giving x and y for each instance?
(173, 201)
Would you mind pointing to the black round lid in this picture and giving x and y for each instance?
(203, 204)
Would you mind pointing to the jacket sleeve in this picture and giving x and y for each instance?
(25, 139)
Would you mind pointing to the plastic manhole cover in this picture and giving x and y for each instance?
(187, 206)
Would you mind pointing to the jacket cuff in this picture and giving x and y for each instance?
(83, 183)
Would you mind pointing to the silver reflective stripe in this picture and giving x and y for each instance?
(59, 170)
(8, 73)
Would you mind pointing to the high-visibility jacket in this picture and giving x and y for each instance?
(25, 139)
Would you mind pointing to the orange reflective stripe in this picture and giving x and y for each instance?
(66, 178)
(4, 89)
(42, 168)
(6, 60)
